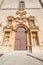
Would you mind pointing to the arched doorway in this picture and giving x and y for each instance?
(21, 39)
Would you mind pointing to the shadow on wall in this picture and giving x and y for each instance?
(1, 55)
(41, 3)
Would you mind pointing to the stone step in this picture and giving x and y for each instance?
(36, 49)
(19, 58)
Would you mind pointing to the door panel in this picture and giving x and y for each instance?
(17, 45)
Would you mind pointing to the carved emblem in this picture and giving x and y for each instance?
(21, 13)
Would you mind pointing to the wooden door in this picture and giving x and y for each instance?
(20, 40)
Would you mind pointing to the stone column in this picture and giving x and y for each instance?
(30, 45)
(12, 40)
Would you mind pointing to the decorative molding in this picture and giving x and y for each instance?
(21, 20)
(31, 18)
(10, 18)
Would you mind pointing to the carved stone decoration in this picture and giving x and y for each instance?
(21, 16)
(9, 21)
(16, 26)
(10, 18)
(21, 13)
(21, 20)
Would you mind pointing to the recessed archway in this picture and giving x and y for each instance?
(21, 39)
